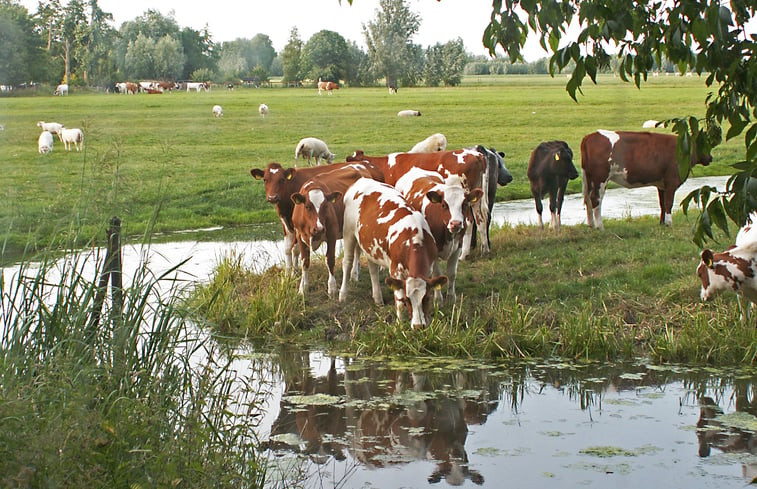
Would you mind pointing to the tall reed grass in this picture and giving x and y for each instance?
(143, 399)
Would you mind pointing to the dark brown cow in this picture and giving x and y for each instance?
(549, 169)
(281, 183)
(380, 222)
(446, 205)
(631, 159)
(470, 164)
(319, 215)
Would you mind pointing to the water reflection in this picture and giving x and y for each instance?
(468, 424)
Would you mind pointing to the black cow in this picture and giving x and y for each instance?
(550, 168)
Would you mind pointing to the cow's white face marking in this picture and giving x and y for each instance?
(415, 289)
(317, 199)
(273, 170)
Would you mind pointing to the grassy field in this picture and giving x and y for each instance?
(162, 162)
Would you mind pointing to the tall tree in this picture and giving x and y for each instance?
(21, 50)
(199, 51)
(74, 35)
(326, 56)
(291, 57)
(704, 36)
(388, 37)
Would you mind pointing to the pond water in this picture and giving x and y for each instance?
(342, 422)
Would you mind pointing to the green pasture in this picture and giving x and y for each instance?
(163, 162)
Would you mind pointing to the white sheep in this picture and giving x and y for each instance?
(315, 148)
(409, 113)
(217, 111)
(69, 136)
(45, 142)
(53, 127)
(263, 109)
(435, 142)
(649, 124)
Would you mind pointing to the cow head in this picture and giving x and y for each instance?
(416, 294)
(358, 155)
(721, 271)
(454, 204)
(312, 209)
(275, 178)
(562, 162)
(503, 176)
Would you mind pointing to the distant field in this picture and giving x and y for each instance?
(167, 152)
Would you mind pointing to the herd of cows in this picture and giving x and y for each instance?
(407, 212)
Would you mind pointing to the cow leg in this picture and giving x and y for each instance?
(666, 206)
(435, 272)
(375, 284)
(558, 207)
(330, 263)
(355, 275)
(289, 252)
(305, 252)
(482, 221)
(452, 275)
(350, 243)
(539, 207)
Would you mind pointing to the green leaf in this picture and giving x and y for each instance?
(717, 214)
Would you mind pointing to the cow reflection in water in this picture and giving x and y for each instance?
(407, 418)
(716, 432)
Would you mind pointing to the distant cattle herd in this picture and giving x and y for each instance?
(409, 211)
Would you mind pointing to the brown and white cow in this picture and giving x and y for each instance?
(631, 159)
(446, 205)
(735, 268)
(318, 217)
(380, 222)
(549, 170)
(328, 86)
(470, 164)
(280, 183)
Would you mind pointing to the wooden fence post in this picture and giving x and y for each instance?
(112, 270)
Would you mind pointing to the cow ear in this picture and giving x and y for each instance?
(434, 196)
(289, 173)
(333, 197)
(475, 195)
(257, 173)
(707, 258)
(437, 282)
(395, 283)
(298, 198)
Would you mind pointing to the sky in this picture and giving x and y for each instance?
(441, 21)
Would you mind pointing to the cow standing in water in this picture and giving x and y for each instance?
(393, 235)
(631, 159)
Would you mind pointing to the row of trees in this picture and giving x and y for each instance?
(77, 43)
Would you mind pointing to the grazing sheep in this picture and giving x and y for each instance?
(53, 127)
(435, 142)
(650, 124)
(409, 113)
(69, 136)
(263, 109)
(217, 111)
(45, 142)
(313, 148)
(61, 89)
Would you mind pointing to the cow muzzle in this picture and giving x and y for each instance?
(455, 227)
(273, 199)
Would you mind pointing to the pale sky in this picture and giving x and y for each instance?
(441, 21)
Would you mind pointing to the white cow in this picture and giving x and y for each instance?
(197, 86)
(45, 142)
(61, 89)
